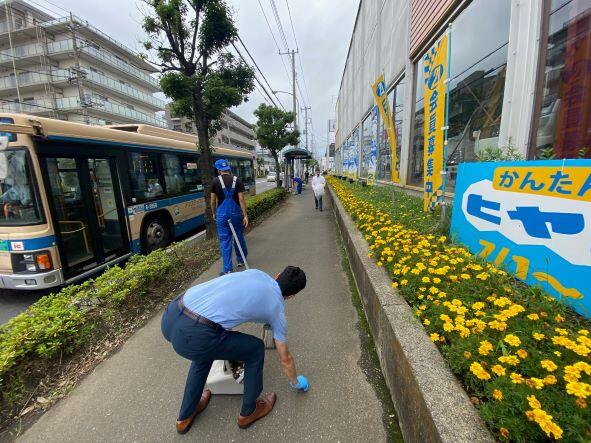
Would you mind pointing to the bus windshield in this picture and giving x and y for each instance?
(18, 203)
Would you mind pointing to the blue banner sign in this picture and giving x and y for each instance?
(534, 219)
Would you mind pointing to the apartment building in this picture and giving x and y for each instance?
(235, 133)
(63, 67)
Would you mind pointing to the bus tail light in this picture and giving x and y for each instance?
(43, 261)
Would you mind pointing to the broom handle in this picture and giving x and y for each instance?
(238, 244)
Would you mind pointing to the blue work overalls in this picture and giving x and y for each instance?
(229, 210)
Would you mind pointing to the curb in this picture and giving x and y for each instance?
(431, 404)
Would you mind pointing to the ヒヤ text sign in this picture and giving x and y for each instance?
(534, 219)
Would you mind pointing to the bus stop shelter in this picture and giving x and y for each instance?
(289, 157)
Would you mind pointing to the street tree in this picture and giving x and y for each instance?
(273, 132)
(189, 39)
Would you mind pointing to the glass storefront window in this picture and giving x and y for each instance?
(478, 63)
(365, 145)
(564, 114)
(396, 100)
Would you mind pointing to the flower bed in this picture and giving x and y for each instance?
(523, 358)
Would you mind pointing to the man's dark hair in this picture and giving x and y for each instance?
(291, 281)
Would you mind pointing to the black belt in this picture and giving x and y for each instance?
(198, 318)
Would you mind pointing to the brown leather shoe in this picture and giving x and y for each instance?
(183, 426)
(264, 405)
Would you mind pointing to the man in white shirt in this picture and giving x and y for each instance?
(318, 184)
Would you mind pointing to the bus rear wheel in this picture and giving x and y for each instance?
(156, 234)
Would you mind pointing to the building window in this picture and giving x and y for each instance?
(563, 123)
(478, 63)
(128, 106)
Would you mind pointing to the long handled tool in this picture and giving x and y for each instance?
(267, 331)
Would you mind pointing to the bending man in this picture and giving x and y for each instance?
(198, 322)
(227, 195)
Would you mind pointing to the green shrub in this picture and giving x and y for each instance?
(261, 203)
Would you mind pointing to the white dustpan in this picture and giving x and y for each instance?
(222, 380)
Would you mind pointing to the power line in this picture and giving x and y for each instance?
(261, 72)
(279, 25)
(274, 39)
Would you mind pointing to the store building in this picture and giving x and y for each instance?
(235, 132)
(63, 67)
(519, 76)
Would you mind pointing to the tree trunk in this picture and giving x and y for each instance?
(205, 164)
(277, 169)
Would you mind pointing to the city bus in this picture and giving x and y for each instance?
(75, 199)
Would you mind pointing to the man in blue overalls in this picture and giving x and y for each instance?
(227, 203)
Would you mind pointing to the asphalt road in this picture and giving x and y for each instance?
(135, 394)
(263, 185)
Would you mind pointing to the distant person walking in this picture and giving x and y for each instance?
(298, 183)
(227, 203)
(318, 184)
(306, 176)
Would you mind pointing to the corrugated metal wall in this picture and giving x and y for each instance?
(425, 17)
(379, 45)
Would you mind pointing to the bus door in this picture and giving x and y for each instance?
(87, 211)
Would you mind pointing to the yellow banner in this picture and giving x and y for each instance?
(572, 182)
(381, 99)
(435, 73)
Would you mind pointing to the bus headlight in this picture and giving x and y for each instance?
(32, 262)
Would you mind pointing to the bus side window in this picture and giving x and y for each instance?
(191, 174)
(144, 177)
(173, 175)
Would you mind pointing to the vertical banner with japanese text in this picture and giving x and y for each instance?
(381, 98)
(435, 71)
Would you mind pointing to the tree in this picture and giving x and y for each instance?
(273, 133)
(189, 38)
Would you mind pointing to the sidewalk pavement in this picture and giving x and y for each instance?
(135, 395)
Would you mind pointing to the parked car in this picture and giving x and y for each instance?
(271, 176)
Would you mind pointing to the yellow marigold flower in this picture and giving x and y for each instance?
(513, 340)
(581, 403)
(426, 279)
(549, 365)
(583, 332)
(403, 282)
(504, 432)
(550, 380)
(578, 389)
(544, 420)
(434, 336)
(558, 353)
(482, 276)
(478, 371)
(465, 276)
(559, 318)
(533, 402)
(499, 370)
(394, 284)
(497, 395)
(521, 353)
(533, 317)
(561, 331)
(516, 378)
(485, 347)
(535, 383)
(467, 354)
(538, 336)
(509, 360)
(478, 306)
(436, 280)
(497, 325)
(433, 290)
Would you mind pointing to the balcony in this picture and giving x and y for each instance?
(24, 53)
(126, 91)
(32, 80)
(72, 104)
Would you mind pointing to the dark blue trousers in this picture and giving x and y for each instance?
(202, 345)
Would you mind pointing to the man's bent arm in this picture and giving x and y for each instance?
(287, 362)
(243, 208)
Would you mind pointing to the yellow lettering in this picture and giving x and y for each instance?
(522, 266)
(567, 292)
(501, 256)
(488, 248)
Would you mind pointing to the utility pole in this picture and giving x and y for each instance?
(294, 80)
(79, 73)
(306, 109)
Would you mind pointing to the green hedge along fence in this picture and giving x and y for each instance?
(62, 323)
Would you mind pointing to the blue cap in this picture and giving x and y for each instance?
(222, 165)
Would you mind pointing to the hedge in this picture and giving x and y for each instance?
(60, 324)
(523, 357)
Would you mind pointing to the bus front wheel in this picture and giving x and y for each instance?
(156, 234)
